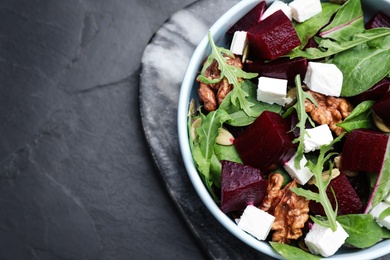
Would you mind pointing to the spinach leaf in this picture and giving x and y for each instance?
(347, 22)
(384, 214)
(292, 252)
(238, 116)
(309, 28)
(364, 65)
(228, 153)
(359, 118)
(362, 229)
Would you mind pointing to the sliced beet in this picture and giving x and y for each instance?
(250, 19)
(382, 108)
(283, 68)
(347, 199)
(272, 37)
(374, 93)
(266, 142)
(364, 150)
(378, 20)
(241, 185)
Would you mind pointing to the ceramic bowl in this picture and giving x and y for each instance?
(189, 91)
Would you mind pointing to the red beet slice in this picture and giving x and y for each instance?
(379, 20)
(273, 36)
(250, 19)
(382, 108)
(241, 185)
(364, 150)
(283, 68)
(266, 142)
(347, 199)
(374, 93)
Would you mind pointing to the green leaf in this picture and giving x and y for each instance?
(291, 252)
(309, 28)
(239, 117)
(363, 231)
(360, 117)
(347, 22)
(227, 152)
(232, 73)
(299, 107)
(328, 47)
(384, 214)
(364, 65)
(202, 147)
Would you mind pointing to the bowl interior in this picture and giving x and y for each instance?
(189, 91)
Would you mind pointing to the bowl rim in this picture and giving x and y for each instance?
(218, 30)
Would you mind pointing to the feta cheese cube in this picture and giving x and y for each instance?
(301, 175)
(324, 78)
(323, 241)
(387, 199)
(256, 222)
(275, 6)
(272, 91)
(303, 10)
(239, 42)
(377, 211)
(316, 137)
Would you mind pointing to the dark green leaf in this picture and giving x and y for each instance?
(362, 229)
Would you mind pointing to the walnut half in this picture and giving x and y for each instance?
(330, 110)
(290, 210)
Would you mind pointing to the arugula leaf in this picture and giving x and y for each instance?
(239, 117)
(363, 231)
(299, 107)
(360, 65)
(202, 146)
(328, 47)
(232, 73)
(347, 22)
(292, 252)
(359, 118)
(321, 196)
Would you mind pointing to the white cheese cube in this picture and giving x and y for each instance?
(276, 6)
(303, 10)
(377, 211)
(301, 175)
(387, 199)
(272, 91)
(324, 78)
(256, 222)
(239, 42)
(316, 137)
(323, 241)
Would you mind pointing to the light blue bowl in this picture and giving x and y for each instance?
(188, 92)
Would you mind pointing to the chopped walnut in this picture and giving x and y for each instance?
(212, 95)
(290, 210)
(330, 110)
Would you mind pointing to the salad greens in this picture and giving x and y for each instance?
(232, 73)
(356, 52)
(322, 185)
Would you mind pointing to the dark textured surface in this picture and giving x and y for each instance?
(77, 180)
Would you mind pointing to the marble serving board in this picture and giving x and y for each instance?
(163, 66)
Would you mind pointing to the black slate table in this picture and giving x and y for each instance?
(89, 160)
(77, 179)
